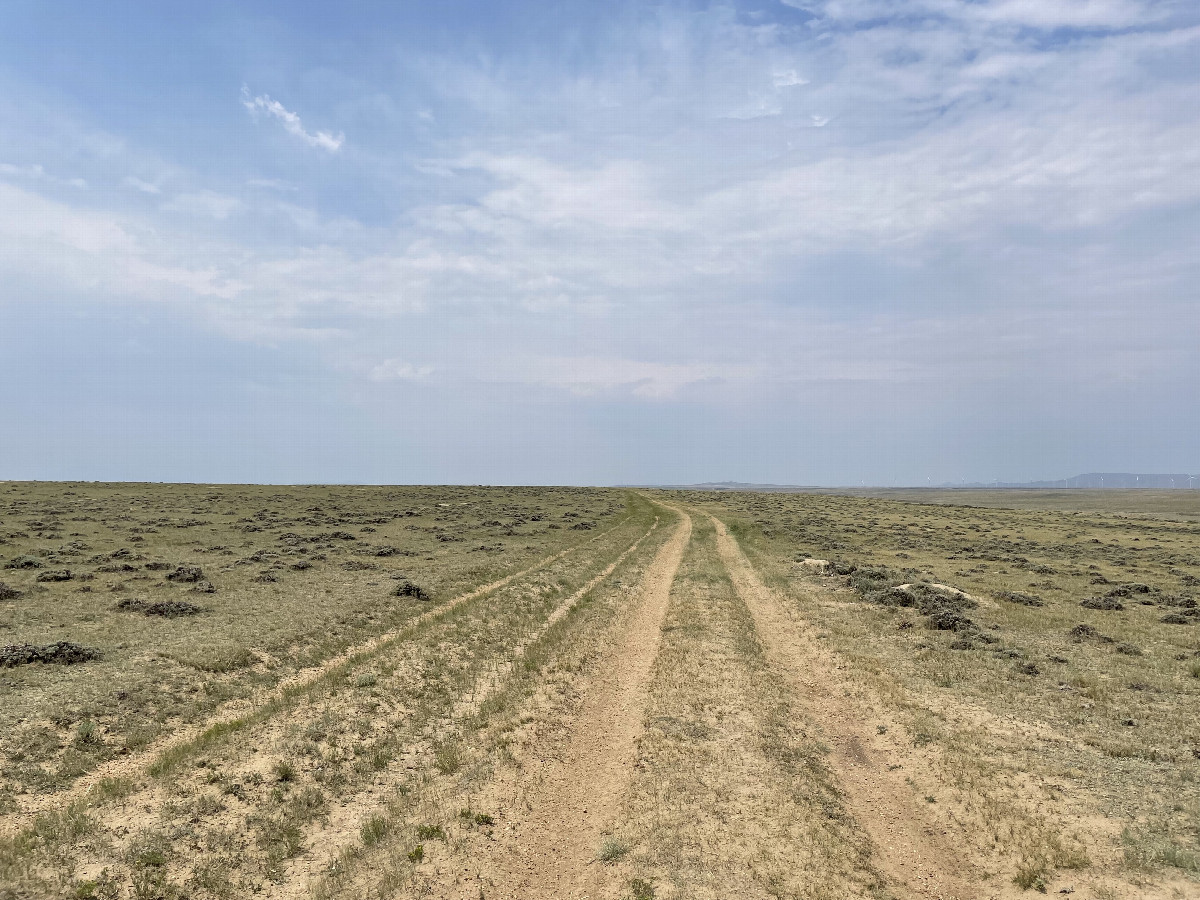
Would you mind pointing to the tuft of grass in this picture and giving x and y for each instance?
(374, 830)
(612, 850)
(640, 889)
(285, 771)
(87, 734)
(448, 757)
(1031, 875)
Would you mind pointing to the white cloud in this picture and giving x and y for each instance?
(38, 173)
(591, 375)
(204, 203)
(29, 171)
(291, 122)
(272, 184)
(144, 186)
(788, 78)
(399, 370)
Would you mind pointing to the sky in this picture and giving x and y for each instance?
(831, 242)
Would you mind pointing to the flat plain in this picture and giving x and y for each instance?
(455, 692)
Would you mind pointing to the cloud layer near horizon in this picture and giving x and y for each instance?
(883, 241)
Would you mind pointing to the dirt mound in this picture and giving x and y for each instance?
(168, 609)
(8, 593)
(60, 652)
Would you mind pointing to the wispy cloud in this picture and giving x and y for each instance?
(399, 370)
(144, 186)
(592, 376)
(264, 105)
(36, 172)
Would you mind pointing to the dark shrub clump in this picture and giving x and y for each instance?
(1106, 603)
(407, 589)
(1018, 597)
(168, 609)
(61, 652)
(186, 574)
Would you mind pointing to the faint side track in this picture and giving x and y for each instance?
(346, 821)
(551, 851)
(136, 765)
(913, 853)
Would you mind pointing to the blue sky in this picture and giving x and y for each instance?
(836, 242)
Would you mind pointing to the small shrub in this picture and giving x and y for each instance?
(416, 854)
(407, 588)
(61, 652)
(640, 889)
(186, 574)
(431, 833)
(24, 562)
(86, 734)
(1031, 876)
(53, 575)
(285, 771)
(1018, 597)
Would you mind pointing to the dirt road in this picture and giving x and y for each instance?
(912, 853)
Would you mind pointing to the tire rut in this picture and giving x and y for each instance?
(345, 824)
(551, 849)
(912, 853)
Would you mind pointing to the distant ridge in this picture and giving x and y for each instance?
(1102, 481)
(1093, 481)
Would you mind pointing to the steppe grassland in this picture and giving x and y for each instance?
(1074, 751)
(298, 575)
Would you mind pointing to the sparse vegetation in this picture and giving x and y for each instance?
(999, 661)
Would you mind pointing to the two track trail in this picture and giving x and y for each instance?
(135, 765)
(550, 850)
(913, 854)
(345, 823)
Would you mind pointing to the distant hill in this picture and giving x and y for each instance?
(1093, 481)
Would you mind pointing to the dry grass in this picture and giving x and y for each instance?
(244, 794)
(1057, 749)
(732, 794)
(1060, 756)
